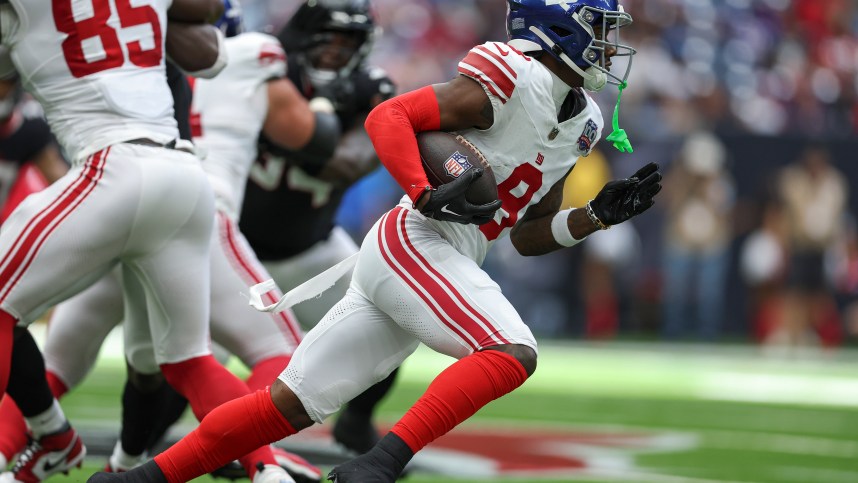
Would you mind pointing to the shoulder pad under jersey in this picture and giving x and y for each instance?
(496, 66)
(256, 52)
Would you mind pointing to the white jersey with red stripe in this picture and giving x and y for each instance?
(228, 112)
(528, 149)
(97, 68)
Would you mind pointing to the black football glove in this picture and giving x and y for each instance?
(622, 199)
(447, 202)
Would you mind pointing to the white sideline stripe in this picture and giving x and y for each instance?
(804, 474)
(778, 389)
(780, 443)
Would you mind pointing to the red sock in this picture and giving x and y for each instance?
(265, 372)
(58, 387)
(14, 428)
(13, 438)
(7, 328)
(226, 433)
(206, 385)
(457, 393)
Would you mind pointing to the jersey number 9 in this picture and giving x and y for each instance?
(515, 193)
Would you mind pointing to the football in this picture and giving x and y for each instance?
(447, 156)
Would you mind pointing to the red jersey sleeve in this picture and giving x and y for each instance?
(392, 127)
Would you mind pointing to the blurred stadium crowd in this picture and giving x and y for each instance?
(750, 105)
(759, 66)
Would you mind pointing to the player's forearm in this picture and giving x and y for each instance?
(289, 122)
(196, 48)
(535, 237)
(195, 11)
(353, 159)
(392, 127)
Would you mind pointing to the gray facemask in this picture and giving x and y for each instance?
(320, 78)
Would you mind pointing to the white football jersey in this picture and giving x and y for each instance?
(97, 67)
(528, 150)
(228, 113)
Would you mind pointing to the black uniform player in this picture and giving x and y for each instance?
(326, 42)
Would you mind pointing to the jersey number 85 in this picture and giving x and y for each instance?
(111, 54)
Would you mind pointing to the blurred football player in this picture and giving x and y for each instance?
(29, 161)
(417, 277)
(30, 133)
(327, 43)
(13, 429)
(135, 197)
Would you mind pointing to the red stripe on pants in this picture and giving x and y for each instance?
(54, 215)
(439, 296)
(450, 289)
(247, 266)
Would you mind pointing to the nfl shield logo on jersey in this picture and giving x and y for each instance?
(588, 137)
(457, 164)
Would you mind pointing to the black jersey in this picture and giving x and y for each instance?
(22, 137)
(305, 205)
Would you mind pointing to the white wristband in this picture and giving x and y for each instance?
(560, 229)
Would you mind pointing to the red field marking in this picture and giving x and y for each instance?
(538, 452)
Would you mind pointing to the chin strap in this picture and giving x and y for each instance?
(619, 137)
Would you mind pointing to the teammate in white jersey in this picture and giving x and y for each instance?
(327, 44)
(417, 277)
(133, 197)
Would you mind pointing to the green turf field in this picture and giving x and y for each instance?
(639, 413)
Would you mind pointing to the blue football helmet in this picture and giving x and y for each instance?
(568, 29)
(230, 22)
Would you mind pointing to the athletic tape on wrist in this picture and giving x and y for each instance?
(560, 229)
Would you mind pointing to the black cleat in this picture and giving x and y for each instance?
(382, 464)
(146, 473)
(363, 469)
(230, 471)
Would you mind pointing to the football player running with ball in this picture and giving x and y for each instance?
(418, 277)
